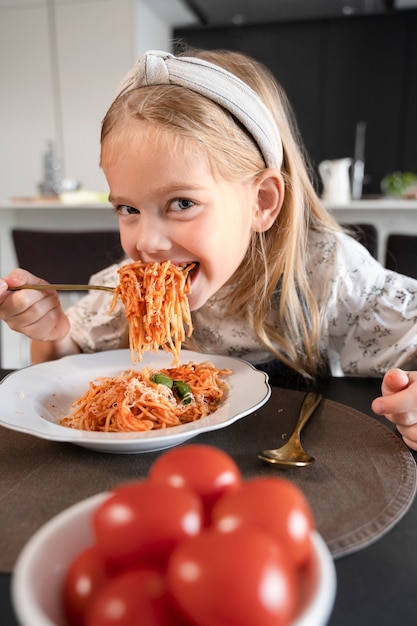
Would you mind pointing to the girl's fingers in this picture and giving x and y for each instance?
(395, 380)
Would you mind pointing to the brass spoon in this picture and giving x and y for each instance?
(292, 454)
(61, 287)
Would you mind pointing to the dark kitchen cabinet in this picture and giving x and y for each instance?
(409, 132)
(337, 72)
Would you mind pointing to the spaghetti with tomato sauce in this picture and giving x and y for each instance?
(156, 306)
(136, 401)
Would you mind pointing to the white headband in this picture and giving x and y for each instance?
(215, 83)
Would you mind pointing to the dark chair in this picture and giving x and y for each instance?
(366, 234)
(401, 254)
(66, 257)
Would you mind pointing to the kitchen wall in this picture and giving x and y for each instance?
(61, 60)
(60, 63)
(336, 73)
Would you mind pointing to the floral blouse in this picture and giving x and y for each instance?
(369, 325)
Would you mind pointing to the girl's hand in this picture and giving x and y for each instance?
(399, 403)
(36, 314)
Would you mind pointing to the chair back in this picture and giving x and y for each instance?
(401, 254)
(66, 256)
(366, 234)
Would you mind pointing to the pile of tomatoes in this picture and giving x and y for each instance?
(193, 545)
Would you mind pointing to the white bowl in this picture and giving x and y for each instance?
(41, 566)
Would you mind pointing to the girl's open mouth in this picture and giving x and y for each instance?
(191, 268)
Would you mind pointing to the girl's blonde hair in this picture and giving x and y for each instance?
(271, 288)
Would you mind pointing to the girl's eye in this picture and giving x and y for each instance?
(180, 204)
(124, 209)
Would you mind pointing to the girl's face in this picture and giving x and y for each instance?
(171, 206)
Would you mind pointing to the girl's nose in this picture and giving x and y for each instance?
(152, 236)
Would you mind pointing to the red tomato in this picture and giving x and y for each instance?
(240, 578)
(273, 504)
(142, 522)
(208, 471)
(85, 576)
(137, 596)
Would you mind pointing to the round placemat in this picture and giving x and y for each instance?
(363, 479)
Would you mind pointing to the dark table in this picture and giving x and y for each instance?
(376, 585)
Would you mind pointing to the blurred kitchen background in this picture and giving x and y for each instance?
(349, 68)
(342, 62)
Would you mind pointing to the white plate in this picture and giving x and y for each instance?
(34, 399)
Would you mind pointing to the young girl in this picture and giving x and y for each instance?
(204, 165)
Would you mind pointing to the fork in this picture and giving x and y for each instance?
(62, 287)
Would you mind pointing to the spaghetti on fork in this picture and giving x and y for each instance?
(156, 306)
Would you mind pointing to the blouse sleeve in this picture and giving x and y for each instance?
(92, 327)
(371, 313)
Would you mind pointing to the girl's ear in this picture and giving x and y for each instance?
(269, 189)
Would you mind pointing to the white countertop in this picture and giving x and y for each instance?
(52, 204)
(382, 203)
(82, 198)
